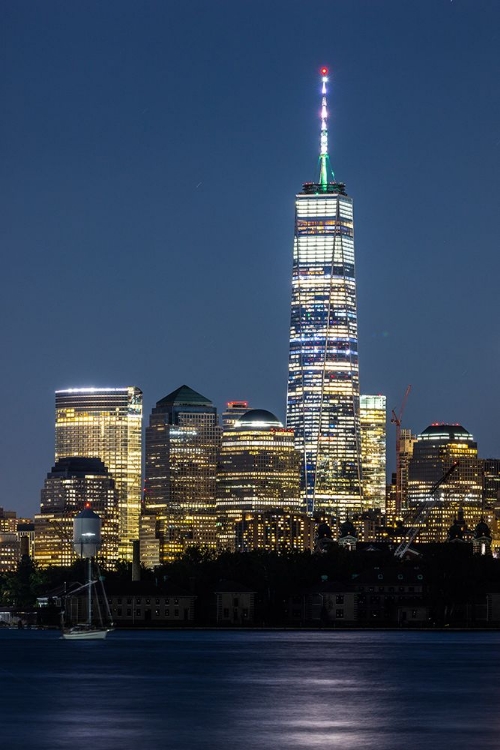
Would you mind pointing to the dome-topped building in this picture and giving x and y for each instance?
(458, 531)
(449, 433)
(482, 529)
(435, 451)
(481, 542)
(348, 535)
(258, 419)
(258, 467)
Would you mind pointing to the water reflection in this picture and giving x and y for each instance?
(255, 690)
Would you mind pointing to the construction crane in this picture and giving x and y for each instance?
(396, 419)
(422, 514)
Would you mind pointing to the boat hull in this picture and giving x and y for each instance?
(85, 635)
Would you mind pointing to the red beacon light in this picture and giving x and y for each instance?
(324, 71)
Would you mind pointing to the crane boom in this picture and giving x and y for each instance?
(423, 514)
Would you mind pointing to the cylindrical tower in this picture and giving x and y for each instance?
(87, 533)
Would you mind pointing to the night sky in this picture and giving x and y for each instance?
(151, 152)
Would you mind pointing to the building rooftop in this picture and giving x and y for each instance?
(184, 396)
(316, 188)
(447, 432)
(78, 466)
(258, 419)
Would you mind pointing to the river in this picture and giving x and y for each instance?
(254, 690)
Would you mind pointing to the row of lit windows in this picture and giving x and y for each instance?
(324, 207)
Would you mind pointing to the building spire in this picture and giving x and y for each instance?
(324, 159)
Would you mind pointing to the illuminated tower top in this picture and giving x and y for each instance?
(324, 159)
(326, 182)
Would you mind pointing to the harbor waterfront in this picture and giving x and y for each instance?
(258, 690)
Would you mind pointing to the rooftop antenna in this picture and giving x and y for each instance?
(324, 159)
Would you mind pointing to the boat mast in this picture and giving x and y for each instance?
(89, 594)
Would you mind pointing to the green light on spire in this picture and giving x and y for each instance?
(324, 159)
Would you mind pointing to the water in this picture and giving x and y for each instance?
(252, 690)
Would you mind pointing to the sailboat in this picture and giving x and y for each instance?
(86, 541)
(90, 630)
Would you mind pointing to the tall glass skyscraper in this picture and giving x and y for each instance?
(373, 417)
(106, 423)
(323, 375)
(182, 448)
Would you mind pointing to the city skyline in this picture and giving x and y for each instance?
(150, 199)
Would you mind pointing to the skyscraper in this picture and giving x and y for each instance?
(405, 451)
(373, 417)
(106, 423)
(182, 445)
(234, 410)
(75, 483)
(258, 473)
(10, 552)
(435, 450)
(258, 467)
(323, 375)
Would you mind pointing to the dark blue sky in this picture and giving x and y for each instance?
(151, 154)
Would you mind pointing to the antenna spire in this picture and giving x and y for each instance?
(324, 159)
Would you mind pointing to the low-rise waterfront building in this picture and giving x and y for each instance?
(235, 604)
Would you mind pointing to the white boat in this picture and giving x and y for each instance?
(83, 631)
(90, 630)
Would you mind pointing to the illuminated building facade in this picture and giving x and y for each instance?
(9, 543)
(149, 541)
(277, 530)
(74, 484)
(491, 483)
(406, 443)
(393, 502)
(8, 521)
(323, 374)
(182, 445)
(435, 450)
(491, 499)
(259, 469)
(234, 410)
(373, 419)
(106, 423)
(9, 552)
